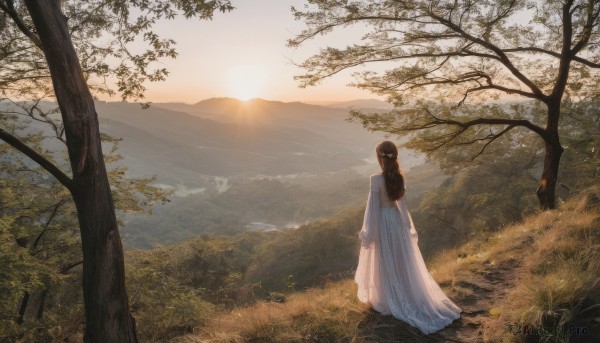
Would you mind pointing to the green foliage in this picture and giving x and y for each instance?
(210, 265)
(239, 269)
(229, 213)
(178, 288)
(481, 198)
(447, 63)
(324, 250)
(104, 33)
(40, 249)
(162, 306)
(581, 132)
(39, 242)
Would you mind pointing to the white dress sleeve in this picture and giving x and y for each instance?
(408, 219)
(391, 274)
(370, 225)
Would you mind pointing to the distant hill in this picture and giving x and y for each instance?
(326, 121)
(189, 145)
(182, 148)
(320, 120)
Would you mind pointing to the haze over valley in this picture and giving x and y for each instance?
(227, 137)
(241, 165)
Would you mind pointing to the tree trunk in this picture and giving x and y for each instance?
(546, 192)
(107, 313)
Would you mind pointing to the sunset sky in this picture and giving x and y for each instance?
(243, 54)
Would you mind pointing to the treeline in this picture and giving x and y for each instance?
(228, 213)
(280, 202)
(176, 288)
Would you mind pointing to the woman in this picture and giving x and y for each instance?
(391, 274)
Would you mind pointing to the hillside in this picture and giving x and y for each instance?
(538, 277)
(325, 121)
(330, 122)
(182, 148)
(279, 203)
(296, 285)
(264, 112)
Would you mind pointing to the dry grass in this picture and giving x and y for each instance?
(560, 280)
(560, 285)
(330, 314)
(557, 252)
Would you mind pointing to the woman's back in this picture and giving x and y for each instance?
(391, 274)
(384, 199)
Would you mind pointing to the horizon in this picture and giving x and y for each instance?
(323, 103)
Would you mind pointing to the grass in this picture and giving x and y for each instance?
(328, 314)
(553, 256)
(560, 288)
(559, 283)
(317, 315)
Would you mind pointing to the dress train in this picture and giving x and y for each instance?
(391, 274)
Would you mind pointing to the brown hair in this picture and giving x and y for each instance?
(387, 155)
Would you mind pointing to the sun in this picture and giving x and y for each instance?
(246, 82)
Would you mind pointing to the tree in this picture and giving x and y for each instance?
(38, 55)
(41, 247)
(492, 191)
(451, 57)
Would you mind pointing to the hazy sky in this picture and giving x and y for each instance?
(244, 54)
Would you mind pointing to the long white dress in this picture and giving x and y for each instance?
(391, 273)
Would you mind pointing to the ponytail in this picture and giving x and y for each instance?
(394, 180)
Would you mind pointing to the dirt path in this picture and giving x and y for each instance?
(488, 286)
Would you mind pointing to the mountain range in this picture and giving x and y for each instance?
(188, 144)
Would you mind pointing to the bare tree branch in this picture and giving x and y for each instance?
(553, 54)
(502, 57)
(47, 225)
(479, 121)
(590, 23)
(39, 159)
(70, 266)
(566, 53)
(491, 139)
